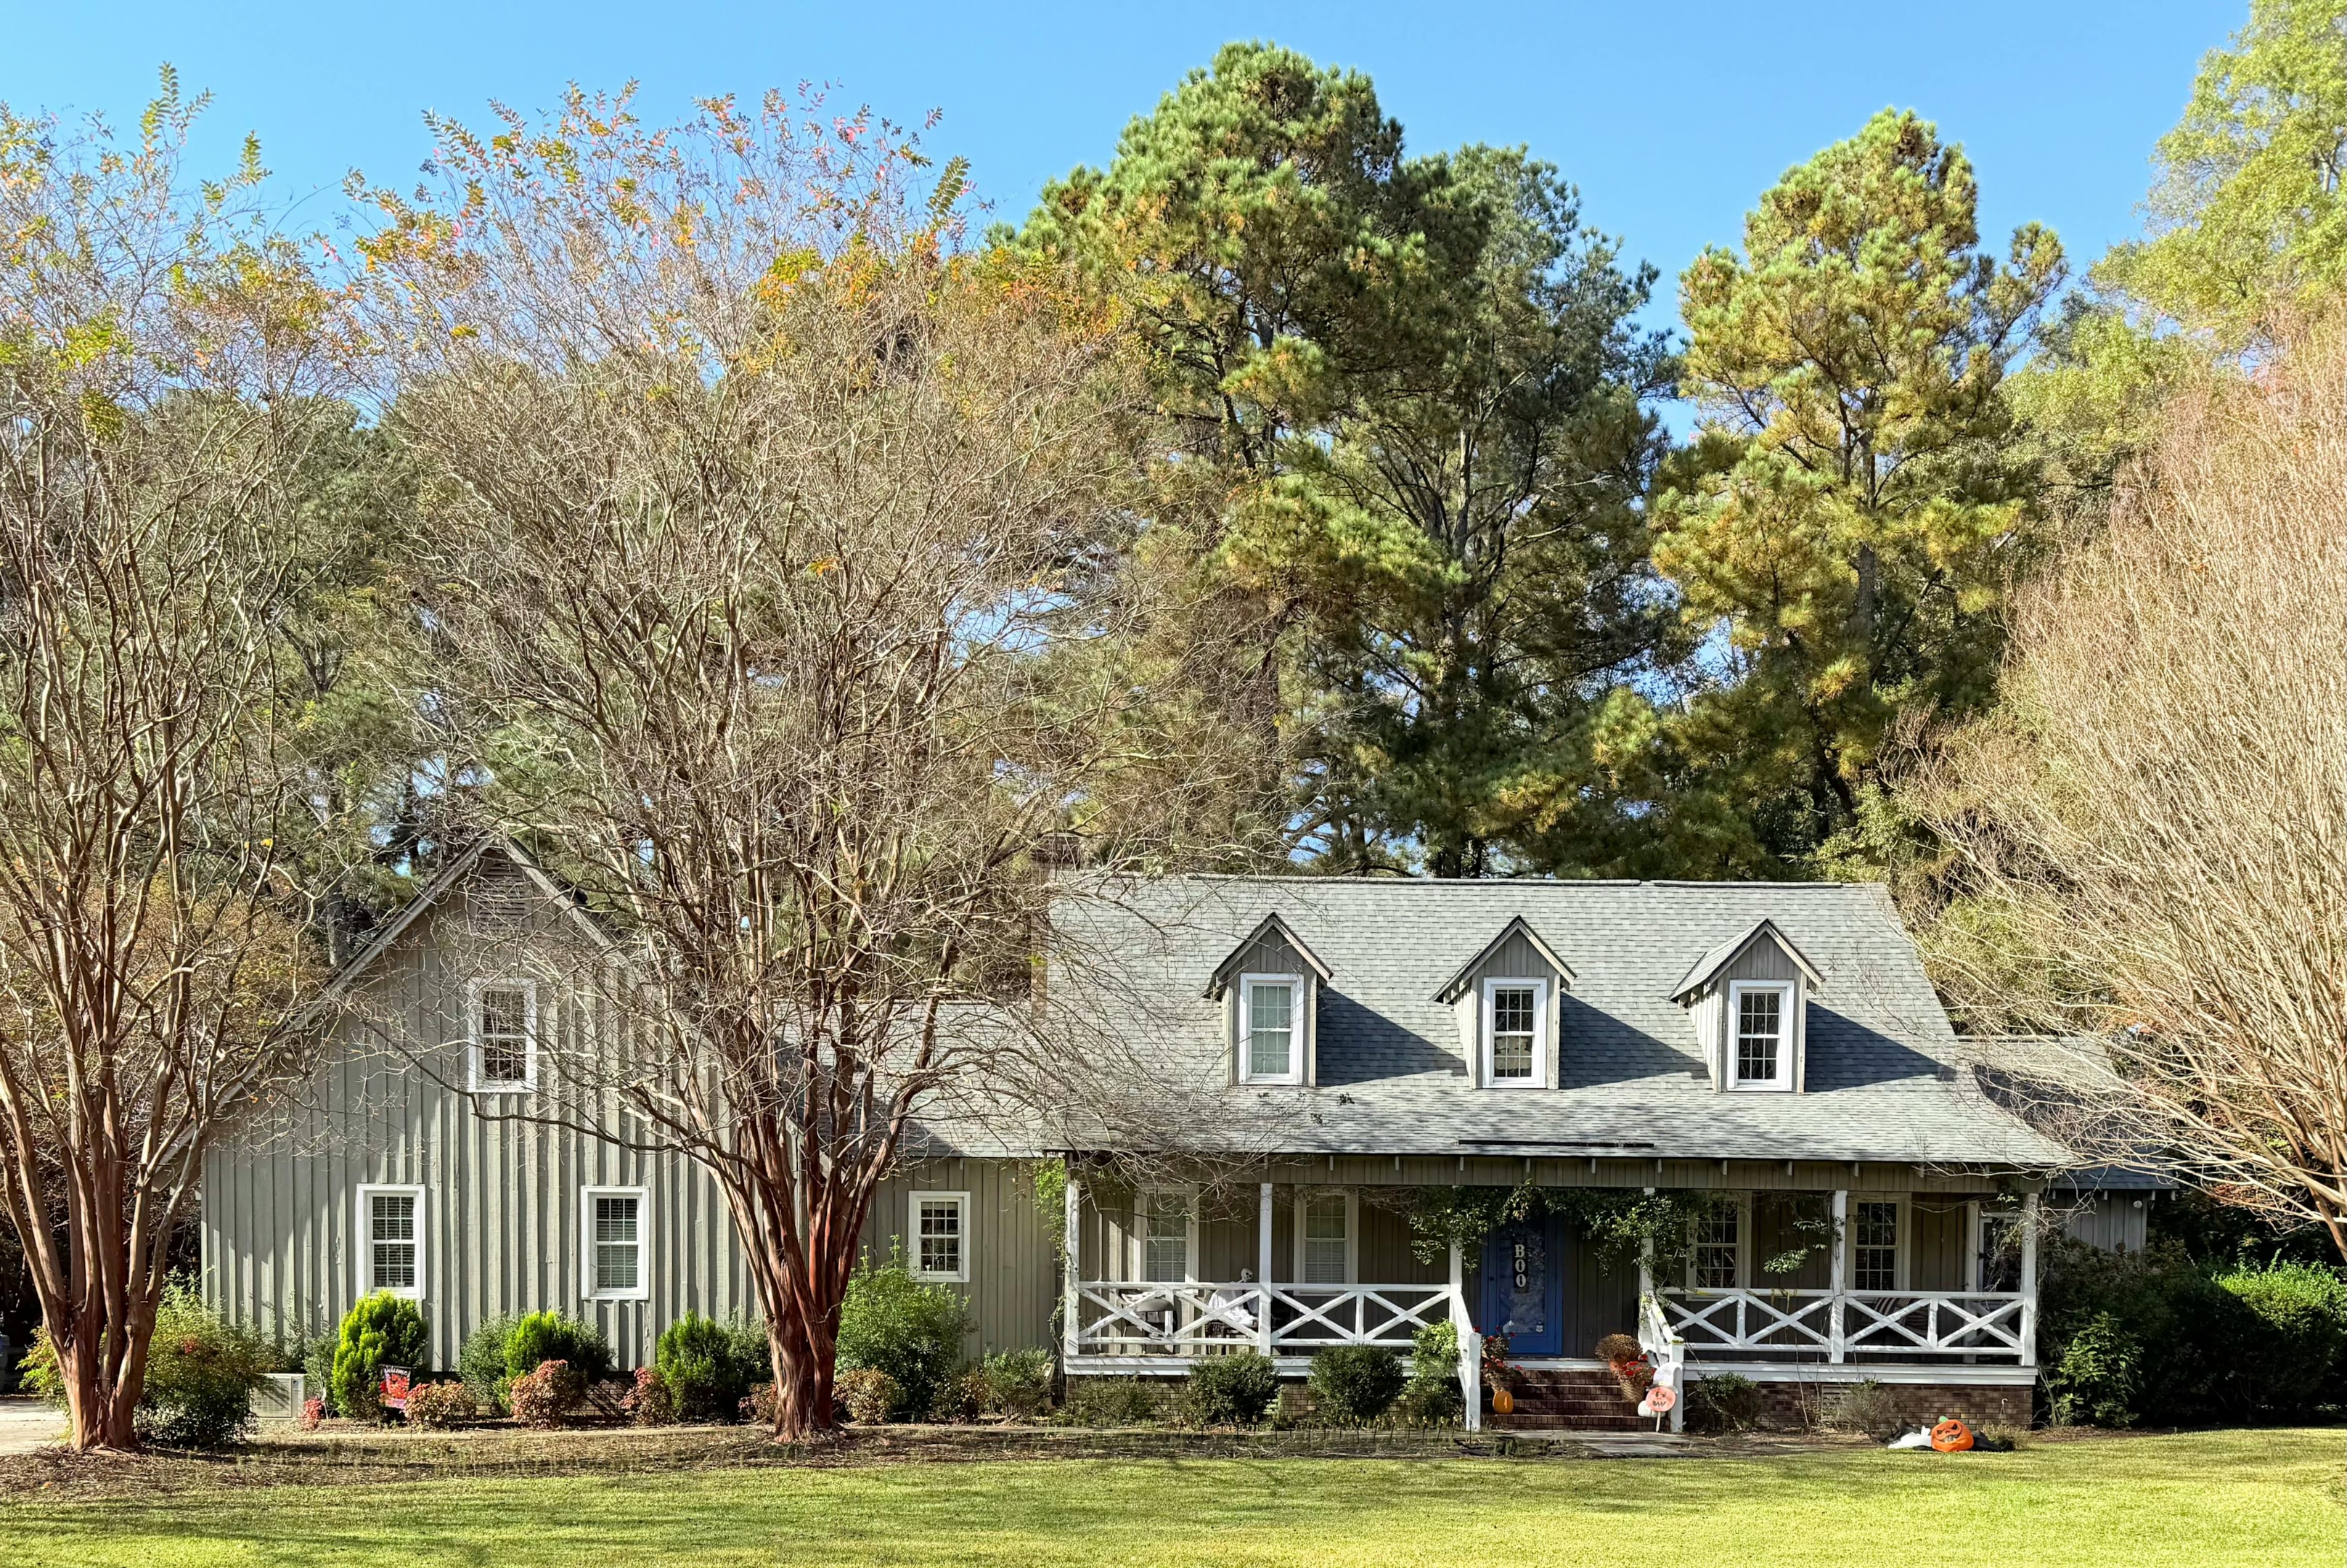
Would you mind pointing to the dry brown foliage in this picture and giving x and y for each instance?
(779, 556)
(2152, 849)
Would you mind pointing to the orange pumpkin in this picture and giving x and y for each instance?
(1951, 1437)
(1503, 1403)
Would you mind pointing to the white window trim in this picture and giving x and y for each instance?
(913, 1233)
(1789, 997)
(1141, 1213)
(643, 1288)
(1295, 984)
(528, 1082)
(365, 1235)
(1491, 987)
(1901, 1246)
(1304, 1197)
(1744, 1273)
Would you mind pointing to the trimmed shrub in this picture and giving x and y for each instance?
(202, 1372)
(2097, 1379)
(1355, 1383)
(912, 1331)
(649, 1403)
(544, 1398)
(710, 1366)
(543, 1336)
(2302, 1316)
(963, 1396)
(1433, 1401)
(1233, 1391)
(1019, 1383)
(482, 1362)
(2211, 1343)
(871, 1396)
(382, 1330)
(1723, 1402)
(1110, 1402)
(439, 1406)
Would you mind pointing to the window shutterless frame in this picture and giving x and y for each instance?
(614, 1217)
(1294, 1022)
(414, 1246)
(1780, 1077)
(1493, 1003)
(937, 1225)
(478, 1025)
(1346, 1205)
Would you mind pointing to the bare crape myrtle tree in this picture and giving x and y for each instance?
(784, 564)
(162, 843)
(2153, 833)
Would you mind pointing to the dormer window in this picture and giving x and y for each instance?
(1271, 1029)
(1515, 1022)
(1762, 1050)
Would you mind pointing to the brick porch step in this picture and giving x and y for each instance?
(1570, 1400)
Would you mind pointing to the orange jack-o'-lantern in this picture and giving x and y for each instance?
(1503, 1403)
(1951, 1436)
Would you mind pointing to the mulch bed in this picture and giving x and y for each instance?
(347, 1453)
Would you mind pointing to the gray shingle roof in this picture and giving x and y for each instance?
(1886, 1080)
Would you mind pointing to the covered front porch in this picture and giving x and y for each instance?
(1817, 1283)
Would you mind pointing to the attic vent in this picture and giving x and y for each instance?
(503, 900)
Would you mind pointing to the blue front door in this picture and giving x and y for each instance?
(1523, 1288)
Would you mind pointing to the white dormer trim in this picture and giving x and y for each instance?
(1783, 1081)
(1707, 968)
(1463, 979)
(1543, 1055)
(1270, 926)
(1298, 993)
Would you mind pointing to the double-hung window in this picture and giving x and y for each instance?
(391, 1240)
(1761, 1048)
(504, 1028)
(1165, 1217)
(615, 1222)
(1323, 1233)
(1515, 1023)
(1271, 1029)
(1718, 1248)
(941, 1236)
(1874, 1245)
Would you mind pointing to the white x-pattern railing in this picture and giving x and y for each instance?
(1765, 1322)
(1190, 1319)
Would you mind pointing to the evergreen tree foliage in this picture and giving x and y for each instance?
(1410, 407)
(1843, 524)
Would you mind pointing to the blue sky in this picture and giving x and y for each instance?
(1670, 117)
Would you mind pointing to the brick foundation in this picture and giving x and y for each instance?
(1802, 1404)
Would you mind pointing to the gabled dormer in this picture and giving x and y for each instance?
(1506, 999)
(1750, 999)
(1269, 987)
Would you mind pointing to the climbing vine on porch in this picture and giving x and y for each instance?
(1622, 1225)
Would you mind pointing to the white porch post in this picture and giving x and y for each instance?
(1263, 1270)
(1071, 1298)
(1471, 1344)
(2029, 1279)
(1836, 1328)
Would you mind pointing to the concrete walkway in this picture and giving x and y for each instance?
(27, 1424)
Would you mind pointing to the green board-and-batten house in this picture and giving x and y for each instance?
(1340, 1043)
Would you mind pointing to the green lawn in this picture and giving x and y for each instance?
(2271, 1498)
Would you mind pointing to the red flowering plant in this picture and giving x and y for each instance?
(1497, 1373)
(1628, 1359)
